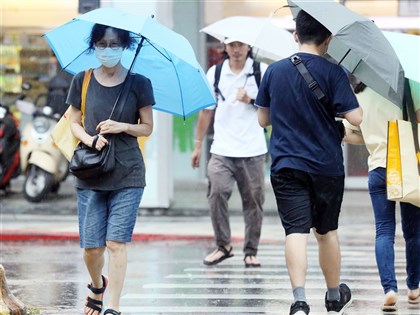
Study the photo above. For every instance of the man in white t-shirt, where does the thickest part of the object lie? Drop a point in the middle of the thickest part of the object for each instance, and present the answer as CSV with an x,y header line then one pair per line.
x,y
237,152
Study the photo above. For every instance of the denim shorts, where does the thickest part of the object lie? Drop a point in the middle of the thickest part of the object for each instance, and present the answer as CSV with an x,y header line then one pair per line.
x,y
107,215
306,201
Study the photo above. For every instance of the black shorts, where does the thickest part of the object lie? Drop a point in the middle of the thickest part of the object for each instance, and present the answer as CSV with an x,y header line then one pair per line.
x,y
306,200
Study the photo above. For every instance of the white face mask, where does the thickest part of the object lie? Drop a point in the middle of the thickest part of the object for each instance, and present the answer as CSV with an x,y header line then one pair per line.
x,y
109,57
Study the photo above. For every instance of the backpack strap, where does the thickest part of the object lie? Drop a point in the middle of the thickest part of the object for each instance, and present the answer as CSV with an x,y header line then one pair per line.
x,y
256,67
217,79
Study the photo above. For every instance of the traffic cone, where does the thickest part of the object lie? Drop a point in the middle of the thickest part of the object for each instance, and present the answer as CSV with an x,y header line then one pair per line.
x,y
9,305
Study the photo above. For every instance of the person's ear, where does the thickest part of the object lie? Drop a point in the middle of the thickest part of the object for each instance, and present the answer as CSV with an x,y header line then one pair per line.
x,y
296,37
328,40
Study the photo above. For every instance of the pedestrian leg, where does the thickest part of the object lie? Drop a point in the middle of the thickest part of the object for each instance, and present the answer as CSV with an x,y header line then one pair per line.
x,y
410,220
94,261
221,184
249,175
117,270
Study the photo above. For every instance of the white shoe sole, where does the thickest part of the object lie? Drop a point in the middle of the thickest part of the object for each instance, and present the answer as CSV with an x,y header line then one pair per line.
x,y
343,310
300,313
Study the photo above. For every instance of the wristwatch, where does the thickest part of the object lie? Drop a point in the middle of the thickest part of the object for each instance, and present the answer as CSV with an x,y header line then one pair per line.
x,y
252,101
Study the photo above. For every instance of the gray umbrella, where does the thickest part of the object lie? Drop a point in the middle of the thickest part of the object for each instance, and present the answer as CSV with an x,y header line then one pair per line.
x,y
359,45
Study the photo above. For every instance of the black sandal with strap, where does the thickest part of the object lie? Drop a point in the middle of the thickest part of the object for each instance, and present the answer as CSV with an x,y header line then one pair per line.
x,y
226,254
112,312
251,265
93,304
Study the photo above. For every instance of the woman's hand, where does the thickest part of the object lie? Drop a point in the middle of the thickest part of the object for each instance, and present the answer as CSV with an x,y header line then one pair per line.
x,y
110,126
101,142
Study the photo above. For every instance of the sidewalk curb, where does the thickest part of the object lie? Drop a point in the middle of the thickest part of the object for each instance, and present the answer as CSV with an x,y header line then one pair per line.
x,y
8,235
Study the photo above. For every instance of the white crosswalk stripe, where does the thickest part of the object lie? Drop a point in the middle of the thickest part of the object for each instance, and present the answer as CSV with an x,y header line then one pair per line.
x,y
229,288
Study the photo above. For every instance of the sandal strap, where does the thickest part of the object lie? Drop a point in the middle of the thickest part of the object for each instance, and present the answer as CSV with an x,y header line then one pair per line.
x,y
98,290
94,304
224,250
112,312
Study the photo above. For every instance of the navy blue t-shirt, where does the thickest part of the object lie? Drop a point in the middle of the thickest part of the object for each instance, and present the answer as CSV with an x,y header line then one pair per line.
x,y
304,134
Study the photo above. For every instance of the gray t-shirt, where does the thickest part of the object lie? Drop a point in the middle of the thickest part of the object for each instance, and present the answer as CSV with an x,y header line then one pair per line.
x,y
129,170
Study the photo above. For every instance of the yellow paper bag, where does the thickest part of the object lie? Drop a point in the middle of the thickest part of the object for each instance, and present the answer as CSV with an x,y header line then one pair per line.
x,y
61,134
403,169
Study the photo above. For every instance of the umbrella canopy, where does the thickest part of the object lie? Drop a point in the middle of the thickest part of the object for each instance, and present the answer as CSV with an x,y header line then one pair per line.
x,y
165,57
268,40
407,48
359,45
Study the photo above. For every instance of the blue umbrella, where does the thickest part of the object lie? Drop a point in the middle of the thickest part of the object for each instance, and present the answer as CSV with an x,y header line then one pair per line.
x,y
179,83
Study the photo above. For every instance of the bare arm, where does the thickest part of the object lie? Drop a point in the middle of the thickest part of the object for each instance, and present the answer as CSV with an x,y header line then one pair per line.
x,y
264,117
80,133
353,137
205,117
143,129
354,117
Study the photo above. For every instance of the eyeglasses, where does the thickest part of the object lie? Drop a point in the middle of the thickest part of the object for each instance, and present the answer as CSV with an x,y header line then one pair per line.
x,y
103,45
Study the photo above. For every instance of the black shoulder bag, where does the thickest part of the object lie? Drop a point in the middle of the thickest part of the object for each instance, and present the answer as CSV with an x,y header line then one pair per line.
x,y
314,87
87,162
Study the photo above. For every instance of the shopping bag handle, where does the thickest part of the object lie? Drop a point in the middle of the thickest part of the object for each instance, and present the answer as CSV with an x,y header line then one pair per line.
x,y
410,115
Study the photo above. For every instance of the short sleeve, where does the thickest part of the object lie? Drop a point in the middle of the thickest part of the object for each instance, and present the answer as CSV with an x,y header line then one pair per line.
x,y
144,90
263,96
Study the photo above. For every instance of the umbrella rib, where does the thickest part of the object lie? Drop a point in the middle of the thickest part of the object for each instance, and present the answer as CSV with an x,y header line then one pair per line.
x,y
344,57
75,58
151,44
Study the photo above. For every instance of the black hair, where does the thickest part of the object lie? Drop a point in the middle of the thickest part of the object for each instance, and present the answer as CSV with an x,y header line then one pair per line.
x,y
309,30
98,32
357,85
226,56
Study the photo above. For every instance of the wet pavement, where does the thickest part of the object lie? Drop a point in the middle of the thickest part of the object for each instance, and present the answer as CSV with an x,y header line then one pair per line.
x,y
168,277
165,272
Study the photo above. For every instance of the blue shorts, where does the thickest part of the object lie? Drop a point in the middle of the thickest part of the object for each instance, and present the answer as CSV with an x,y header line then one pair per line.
x,y
107,215
306,201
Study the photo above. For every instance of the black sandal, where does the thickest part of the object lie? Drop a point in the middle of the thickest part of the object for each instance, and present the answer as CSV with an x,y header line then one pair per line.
x,y
226,254
251,265
112,312
93,304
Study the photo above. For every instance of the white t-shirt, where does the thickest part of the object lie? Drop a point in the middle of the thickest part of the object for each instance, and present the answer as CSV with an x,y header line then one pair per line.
x,y
236,129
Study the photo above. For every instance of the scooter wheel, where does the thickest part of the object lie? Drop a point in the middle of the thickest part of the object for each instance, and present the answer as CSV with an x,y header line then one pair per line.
x,y
37,184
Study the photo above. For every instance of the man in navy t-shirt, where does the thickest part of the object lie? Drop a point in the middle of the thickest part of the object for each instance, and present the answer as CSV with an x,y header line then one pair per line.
x,y
307,172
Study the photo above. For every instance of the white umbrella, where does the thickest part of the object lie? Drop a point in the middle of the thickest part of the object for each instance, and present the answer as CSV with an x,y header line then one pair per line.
x,y
267,39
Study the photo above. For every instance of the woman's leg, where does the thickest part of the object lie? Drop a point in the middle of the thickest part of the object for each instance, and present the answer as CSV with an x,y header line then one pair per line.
x,y
117,269
384,211
410,220
123,206
91,207
94,261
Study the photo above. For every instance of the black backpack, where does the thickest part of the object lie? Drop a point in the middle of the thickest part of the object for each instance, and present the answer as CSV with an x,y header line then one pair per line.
x,y
256,72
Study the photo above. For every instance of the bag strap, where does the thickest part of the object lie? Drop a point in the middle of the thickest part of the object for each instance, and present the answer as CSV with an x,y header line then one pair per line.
x,y
122,96
313,85
256,67
217,73
410,115
85,85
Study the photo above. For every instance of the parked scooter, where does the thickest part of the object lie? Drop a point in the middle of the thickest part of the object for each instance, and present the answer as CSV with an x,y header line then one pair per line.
x,y
41,161
9,147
